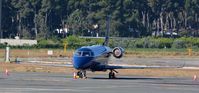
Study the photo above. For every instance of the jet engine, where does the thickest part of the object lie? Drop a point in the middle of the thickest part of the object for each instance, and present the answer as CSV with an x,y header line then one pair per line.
x,y
118,52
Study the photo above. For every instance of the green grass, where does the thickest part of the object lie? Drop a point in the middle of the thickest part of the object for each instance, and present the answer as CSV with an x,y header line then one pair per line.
x,y
153,52
161,50
136,52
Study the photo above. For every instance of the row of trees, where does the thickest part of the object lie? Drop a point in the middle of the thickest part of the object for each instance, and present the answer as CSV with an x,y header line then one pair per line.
x,y
38,19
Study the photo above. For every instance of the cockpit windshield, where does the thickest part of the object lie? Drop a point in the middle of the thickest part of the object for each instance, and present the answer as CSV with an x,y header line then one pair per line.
x,y
84,53
78,53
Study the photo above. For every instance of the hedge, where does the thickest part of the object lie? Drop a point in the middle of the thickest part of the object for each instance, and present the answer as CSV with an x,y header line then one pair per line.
x,y
74,42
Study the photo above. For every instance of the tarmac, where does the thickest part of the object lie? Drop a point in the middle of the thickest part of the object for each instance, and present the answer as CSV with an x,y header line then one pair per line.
x,y
188,62
35,82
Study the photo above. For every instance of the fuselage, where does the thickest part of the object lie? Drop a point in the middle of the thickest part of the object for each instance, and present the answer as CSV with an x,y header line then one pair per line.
x,y
91,57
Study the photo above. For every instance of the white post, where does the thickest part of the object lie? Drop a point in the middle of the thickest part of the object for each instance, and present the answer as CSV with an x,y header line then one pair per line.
x,y
1,18
7,54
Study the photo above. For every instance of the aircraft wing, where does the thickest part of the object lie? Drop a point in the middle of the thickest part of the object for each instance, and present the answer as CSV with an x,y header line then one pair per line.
x,y
53,65
60,65
136,66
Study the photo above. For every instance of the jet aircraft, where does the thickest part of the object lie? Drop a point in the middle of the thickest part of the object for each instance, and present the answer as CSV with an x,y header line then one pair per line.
x,y
95,58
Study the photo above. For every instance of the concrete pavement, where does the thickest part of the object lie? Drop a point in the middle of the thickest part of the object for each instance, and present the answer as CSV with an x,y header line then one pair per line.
x,y
34,82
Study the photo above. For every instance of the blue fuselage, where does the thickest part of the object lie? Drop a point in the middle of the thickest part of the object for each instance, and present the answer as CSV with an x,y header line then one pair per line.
x,y
91,57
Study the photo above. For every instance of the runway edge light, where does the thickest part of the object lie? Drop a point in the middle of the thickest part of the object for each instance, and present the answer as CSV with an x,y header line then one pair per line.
x,y
6,73
75,76
194,77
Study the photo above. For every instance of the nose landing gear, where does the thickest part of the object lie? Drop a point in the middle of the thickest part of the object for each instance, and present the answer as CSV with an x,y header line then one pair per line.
x,y
81,74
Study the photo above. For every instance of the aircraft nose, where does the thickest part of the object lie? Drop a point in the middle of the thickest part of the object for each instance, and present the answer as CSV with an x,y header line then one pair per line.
x,y
81,62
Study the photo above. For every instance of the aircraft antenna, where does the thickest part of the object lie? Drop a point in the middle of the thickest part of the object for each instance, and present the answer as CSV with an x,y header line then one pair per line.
x,y
106,42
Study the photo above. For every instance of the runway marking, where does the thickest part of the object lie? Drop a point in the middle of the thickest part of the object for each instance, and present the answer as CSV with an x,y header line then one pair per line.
x,y
58,90
37,89
196,68
168,85
51,80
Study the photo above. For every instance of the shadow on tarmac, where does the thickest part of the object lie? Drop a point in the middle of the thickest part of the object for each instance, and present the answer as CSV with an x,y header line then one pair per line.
x,y
160,81
2,78
127,78
180,83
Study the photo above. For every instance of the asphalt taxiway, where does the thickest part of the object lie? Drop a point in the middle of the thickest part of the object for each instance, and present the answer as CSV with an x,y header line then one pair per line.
x,y
34,82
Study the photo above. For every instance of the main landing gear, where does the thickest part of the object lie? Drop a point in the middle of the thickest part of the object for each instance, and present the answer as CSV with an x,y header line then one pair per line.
x,y
81,74
112,74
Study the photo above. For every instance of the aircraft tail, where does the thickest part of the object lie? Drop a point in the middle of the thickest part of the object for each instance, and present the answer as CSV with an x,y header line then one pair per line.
x,y
106,41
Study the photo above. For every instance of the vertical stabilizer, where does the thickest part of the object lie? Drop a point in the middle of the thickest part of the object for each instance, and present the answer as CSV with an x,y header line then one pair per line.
x,y
106,42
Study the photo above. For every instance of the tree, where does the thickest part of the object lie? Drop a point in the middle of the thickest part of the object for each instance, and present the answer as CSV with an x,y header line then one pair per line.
x,y
129,18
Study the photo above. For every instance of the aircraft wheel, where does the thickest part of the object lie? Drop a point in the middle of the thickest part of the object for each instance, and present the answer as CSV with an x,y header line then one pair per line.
x,y
111,75
80,74
84,74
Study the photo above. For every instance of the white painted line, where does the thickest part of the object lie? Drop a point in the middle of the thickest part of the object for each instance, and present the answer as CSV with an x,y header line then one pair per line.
x,y
37,89
196,68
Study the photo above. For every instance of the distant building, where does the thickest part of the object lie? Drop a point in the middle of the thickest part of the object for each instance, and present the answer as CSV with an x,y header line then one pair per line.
x,y
18,42
59,31
171,34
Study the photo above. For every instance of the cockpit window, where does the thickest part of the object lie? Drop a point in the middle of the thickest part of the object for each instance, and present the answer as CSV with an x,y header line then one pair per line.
x,y
84,53
79,53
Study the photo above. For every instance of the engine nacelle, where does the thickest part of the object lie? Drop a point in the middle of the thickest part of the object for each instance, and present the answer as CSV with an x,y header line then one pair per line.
x,y
118,52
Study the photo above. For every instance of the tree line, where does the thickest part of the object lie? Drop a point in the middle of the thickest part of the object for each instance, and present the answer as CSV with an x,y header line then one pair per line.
x,y
39,19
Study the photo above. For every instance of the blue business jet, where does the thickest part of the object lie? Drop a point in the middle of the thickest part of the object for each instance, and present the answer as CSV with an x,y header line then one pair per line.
x,y
95,58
